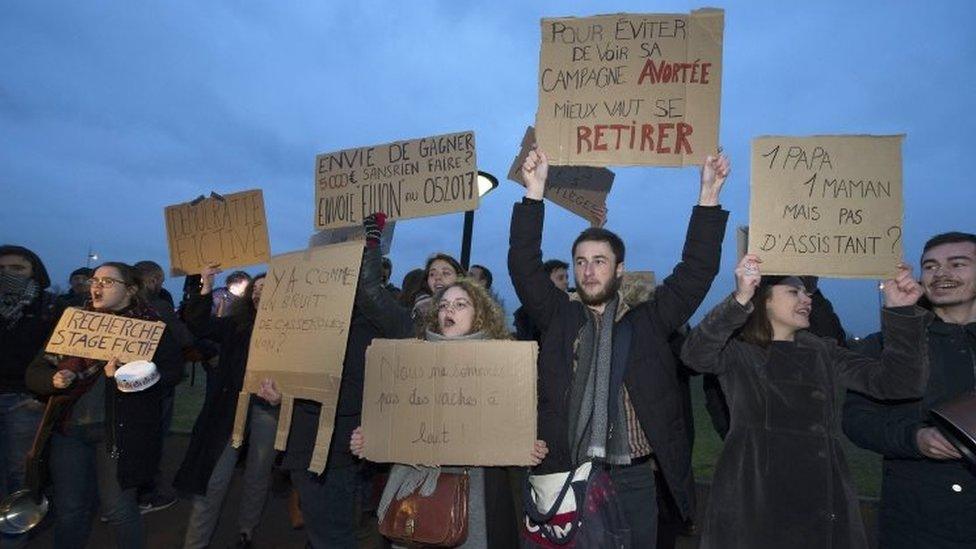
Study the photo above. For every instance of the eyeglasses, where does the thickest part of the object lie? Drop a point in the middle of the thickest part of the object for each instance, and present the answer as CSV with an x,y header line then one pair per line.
x,y
104,282
457,305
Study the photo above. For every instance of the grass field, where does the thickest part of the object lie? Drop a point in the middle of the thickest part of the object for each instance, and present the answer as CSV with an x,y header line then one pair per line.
x,y
865,466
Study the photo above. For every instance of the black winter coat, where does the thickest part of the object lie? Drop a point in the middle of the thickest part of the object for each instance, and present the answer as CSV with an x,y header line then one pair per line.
x,y
132,420
651,376
924,502
20,343
782,480
214,424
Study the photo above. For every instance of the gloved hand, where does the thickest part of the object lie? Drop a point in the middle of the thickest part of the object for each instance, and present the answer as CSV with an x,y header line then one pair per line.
x,y
373,224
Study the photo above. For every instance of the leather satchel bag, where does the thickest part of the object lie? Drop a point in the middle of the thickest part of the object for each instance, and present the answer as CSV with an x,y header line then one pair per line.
x,y
437,520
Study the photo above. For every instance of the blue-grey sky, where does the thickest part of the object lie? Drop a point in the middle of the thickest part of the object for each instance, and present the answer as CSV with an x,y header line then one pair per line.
x,y
110,111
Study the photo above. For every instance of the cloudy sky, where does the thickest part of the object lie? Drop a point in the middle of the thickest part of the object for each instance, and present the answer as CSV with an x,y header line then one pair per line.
x,y
110,111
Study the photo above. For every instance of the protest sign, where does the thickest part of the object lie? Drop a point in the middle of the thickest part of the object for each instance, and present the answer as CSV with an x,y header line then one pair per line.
x,y
326,237
637,287
299,337
450,403
231,231
741,242
414,178
582,190
630,89
827,205
102,336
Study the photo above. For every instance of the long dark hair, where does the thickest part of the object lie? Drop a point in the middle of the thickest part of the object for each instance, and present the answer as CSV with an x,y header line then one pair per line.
x,y
458,270
242,310
132,279
757,329
413,283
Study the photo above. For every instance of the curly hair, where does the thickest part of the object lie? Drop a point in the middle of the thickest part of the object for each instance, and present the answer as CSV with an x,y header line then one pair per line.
x,y
488,315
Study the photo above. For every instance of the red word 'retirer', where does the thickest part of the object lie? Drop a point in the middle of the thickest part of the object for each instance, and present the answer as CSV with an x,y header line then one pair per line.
x,y
661,138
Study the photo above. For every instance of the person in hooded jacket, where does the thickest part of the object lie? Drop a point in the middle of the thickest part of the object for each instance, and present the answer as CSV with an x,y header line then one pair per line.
x,y
27,315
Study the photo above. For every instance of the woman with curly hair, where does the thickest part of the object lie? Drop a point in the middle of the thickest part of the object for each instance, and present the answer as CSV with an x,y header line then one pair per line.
x,y
463,310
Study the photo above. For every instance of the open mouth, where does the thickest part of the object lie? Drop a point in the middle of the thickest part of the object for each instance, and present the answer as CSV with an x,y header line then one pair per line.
x,y
448,322
946,285
805,312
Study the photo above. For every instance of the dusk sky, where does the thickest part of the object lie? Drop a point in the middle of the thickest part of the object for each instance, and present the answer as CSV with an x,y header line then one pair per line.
x,y
110,111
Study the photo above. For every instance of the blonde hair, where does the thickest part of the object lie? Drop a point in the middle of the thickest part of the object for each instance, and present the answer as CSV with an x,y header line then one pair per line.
x,y
488,315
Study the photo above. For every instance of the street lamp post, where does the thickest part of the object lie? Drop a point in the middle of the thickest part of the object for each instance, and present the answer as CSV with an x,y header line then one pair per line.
x,y
486,184
92,256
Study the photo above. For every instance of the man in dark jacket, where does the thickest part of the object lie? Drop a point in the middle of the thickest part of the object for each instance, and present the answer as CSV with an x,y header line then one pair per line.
x,y
151,497
27,316
77,292
329,501
608,389
928,494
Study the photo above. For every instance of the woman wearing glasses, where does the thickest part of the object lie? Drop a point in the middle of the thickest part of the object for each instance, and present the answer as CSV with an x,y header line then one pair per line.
x,y
463,310
105,441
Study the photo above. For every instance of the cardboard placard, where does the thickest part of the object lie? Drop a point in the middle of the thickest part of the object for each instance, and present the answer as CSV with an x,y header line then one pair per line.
x,y
450,403
102,336
827,205
413,178
326,237
232,232
299,337
637,287
741,242
582,190
630,89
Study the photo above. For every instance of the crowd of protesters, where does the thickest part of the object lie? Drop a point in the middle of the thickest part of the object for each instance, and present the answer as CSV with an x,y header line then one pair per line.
x,y
614,430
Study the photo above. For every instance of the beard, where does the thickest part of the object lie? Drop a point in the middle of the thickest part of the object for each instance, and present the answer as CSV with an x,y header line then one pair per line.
x,y
600,297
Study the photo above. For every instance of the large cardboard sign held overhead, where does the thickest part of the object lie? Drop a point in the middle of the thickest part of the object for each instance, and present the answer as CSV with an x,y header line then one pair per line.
x,y
102,336
630,89
827,205
413,178
450,403
582,190
231,231
299,337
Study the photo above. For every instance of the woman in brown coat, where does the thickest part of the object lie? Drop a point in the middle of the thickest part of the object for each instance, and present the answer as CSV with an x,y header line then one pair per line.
x,y
782,480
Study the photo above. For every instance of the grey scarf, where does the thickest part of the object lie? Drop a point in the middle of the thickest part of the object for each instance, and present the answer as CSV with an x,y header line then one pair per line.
x,y
406,479
16,293
592,433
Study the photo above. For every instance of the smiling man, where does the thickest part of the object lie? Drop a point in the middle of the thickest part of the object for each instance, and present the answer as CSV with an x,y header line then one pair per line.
x,y
608,389
929,494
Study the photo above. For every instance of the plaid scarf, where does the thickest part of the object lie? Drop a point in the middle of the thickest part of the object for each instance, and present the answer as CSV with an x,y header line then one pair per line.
x,y
16,293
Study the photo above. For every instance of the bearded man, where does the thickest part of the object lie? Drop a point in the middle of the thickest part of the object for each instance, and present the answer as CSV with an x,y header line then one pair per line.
x,y
608,387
